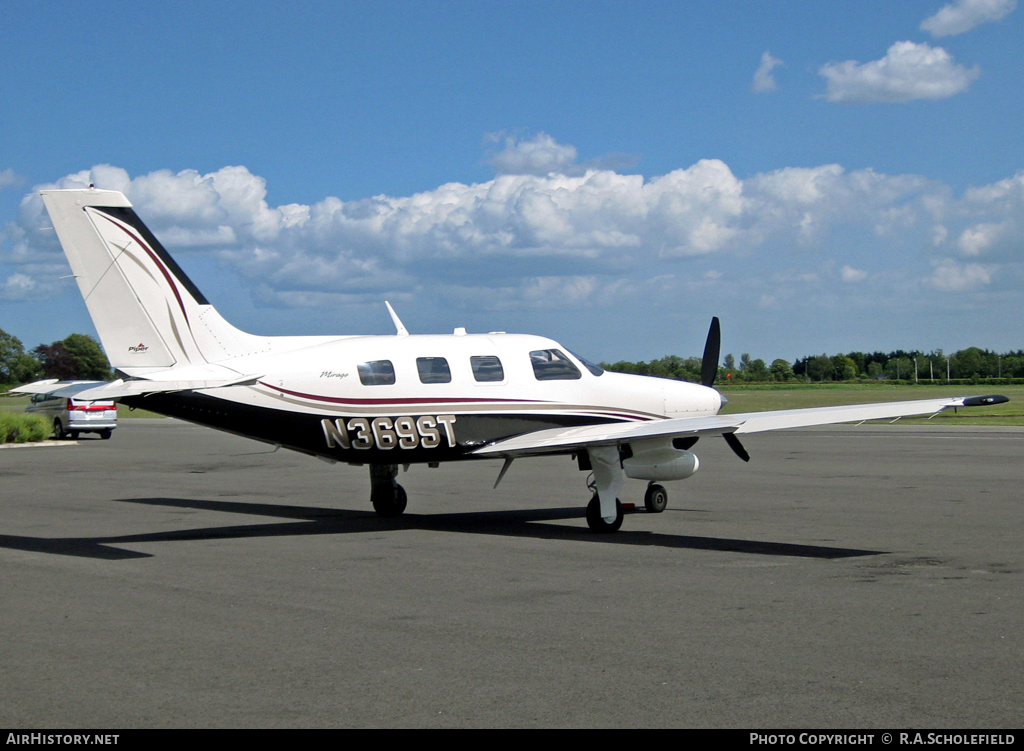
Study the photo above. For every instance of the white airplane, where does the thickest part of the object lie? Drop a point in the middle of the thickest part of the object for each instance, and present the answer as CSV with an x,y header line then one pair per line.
x,y
388,401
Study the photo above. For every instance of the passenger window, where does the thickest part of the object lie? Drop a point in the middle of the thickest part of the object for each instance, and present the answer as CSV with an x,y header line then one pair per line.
x,y
433,370
376,373
553,365
487,368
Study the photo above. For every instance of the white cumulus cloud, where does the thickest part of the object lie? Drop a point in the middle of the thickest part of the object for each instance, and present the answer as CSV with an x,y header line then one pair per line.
x,y
951,276
908,71
764,81
540,155
963,15
851,274
976,240
538,241
17,287
8,177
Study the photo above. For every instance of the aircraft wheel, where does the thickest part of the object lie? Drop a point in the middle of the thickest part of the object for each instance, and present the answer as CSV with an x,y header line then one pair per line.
x,y
389,501
656,498
58,430
597,522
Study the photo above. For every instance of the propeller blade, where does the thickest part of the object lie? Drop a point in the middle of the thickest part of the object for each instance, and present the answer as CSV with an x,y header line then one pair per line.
x,y
709,364
736,446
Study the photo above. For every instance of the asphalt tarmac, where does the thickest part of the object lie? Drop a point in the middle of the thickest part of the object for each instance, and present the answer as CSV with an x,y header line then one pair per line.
x,y
851,577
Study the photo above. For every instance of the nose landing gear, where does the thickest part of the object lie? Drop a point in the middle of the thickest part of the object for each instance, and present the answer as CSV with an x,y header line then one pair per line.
x,y
656,498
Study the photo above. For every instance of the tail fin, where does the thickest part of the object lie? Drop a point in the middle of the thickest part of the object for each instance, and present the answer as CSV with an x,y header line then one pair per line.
x,y
147,312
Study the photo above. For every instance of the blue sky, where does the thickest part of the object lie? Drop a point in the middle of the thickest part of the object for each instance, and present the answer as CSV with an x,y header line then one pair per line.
x,y
608,174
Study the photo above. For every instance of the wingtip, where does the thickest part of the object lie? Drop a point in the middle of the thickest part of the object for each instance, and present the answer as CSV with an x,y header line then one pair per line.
x,y
983,401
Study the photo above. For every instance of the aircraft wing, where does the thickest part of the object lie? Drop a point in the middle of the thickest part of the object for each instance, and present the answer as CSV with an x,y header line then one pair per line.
x,y
95,390
561,440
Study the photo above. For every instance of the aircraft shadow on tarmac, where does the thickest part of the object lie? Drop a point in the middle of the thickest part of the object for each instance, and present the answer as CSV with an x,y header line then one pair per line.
x,y
326,521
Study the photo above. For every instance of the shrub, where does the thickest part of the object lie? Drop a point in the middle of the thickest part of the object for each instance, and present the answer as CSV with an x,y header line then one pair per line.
x,y
20,428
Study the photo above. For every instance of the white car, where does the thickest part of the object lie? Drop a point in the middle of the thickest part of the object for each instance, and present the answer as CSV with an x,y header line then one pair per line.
x,y
73,416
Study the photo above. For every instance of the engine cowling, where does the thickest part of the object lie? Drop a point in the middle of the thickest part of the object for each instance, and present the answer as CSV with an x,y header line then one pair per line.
x,y
659,461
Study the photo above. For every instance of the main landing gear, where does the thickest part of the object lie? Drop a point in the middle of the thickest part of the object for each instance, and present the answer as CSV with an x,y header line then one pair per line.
x,y
386,495
598,523
604,512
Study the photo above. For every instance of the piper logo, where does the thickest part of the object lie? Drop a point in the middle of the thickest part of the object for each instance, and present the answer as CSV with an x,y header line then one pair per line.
x,y
138,348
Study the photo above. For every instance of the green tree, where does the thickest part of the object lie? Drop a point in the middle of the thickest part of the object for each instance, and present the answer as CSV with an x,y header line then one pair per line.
x,y
967,362
901,368
16,366
1013,366
820,368
781,370
844,368
756,370
934,366
77,357
93,364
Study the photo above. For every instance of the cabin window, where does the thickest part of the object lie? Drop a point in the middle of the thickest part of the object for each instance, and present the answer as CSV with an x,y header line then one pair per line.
x,y
376,373
487,368
553,365
433,370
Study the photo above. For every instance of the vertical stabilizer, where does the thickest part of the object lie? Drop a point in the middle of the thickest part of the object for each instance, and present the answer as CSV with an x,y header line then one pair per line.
x,y
147,312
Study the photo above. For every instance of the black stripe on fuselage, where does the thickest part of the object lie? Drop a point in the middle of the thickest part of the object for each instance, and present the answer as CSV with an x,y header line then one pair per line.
x,y
304,432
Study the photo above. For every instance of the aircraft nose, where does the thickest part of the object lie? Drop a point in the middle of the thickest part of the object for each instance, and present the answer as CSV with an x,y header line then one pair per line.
x,y
690,399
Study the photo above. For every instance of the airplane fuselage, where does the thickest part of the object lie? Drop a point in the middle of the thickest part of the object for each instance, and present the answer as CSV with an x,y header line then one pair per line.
x,y
411,399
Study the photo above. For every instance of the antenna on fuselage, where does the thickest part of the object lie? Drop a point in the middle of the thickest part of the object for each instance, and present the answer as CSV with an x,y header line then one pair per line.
x,y
399,326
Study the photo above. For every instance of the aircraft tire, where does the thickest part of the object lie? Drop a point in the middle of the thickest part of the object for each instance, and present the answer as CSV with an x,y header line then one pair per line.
x,y
389,501
597,523
656,498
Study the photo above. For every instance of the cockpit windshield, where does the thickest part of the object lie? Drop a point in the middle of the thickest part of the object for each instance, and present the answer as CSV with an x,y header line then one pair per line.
x,y
553,365
595,369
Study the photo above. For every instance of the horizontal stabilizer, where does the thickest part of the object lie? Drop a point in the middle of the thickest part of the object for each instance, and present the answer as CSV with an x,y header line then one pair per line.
x,y
96,390
53,385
